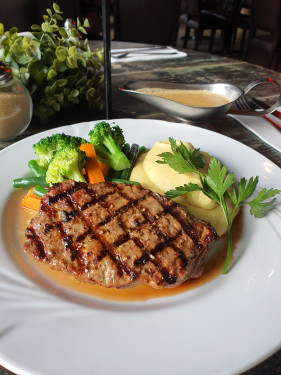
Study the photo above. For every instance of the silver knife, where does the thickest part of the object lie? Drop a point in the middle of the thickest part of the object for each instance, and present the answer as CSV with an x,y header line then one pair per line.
x,y
140,49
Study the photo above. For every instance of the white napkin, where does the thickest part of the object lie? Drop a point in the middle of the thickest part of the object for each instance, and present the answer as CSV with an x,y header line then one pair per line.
x,y
157,54
262,128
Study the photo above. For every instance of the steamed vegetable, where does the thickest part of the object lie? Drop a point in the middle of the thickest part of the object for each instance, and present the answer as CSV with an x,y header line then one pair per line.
x,y
134,152
30,203
35,169
39,191
62,157
93,169
108,142
29,181
67,163
47,147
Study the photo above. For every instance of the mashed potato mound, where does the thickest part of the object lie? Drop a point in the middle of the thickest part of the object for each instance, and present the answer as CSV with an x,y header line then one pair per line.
x,y
161,178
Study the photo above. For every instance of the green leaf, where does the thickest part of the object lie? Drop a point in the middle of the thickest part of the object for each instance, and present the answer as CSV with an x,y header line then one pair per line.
x,y
51,74
61,82
181,159
81,82
175,161
71,62
55,28
245,190
217,178
71,80
78,23
180,190
56,8
37,34
34,67
82,30
48,57
58,17
72,51
1,29
90,94
36,27
44,26
207,190
47,18
50,13
12,33
73,99
74,93
63,32
61,53
86,23
59,66
193,157
59,98
261,204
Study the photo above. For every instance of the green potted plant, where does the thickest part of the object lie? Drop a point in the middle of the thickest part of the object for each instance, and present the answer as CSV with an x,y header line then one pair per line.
x,y
56,65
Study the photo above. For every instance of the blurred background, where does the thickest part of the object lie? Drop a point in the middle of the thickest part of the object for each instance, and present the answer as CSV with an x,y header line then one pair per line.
x,y
248,30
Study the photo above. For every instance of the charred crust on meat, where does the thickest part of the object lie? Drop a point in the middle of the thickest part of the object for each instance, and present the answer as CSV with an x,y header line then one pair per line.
x,y
118,235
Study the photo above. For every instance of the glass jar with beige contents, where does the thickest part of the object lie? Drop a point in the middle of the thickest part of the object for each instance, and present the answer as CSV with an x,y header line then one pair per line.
x,y
15,105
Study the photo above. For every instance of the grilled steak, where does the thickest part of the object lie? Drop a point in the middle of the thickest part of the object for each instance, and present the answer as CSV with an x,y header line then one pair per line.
x,y
118,235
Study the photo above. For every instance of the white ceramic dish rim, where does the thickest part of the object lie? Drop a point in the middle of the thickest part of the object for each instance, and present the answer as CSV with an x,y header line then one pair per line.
x,y
223,327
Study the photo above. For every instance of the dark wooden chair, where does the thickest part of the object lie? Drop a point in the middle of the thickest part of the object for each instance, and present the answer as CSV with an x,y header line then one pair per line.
x,y
199,18
243,21
227,16
265,29
146,21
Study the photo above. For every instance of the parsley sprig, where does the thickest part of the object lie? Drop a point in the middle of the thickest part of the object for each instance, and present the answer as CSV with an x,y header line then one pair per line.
x,y
219,185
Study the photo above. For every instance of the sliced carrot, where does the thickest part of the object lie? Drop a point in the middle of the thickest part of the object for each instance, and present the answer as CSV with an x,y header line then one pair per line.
x,y
31,194
92,166
105,168
30,203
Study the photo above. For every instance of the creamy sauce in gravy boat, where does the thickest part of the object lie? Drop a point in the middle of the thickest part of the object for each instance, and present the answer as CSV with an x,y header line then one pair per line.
x,y
168,97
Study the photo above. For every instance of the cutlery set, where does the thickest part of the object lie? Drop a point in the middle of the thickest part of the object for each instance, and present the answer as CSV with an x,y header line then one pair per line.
x,y
157,50
256,105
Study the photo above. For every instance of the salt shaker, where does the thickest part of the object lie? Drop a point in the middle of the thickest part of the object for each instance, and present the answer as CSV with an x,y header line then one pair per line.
x,y
15,105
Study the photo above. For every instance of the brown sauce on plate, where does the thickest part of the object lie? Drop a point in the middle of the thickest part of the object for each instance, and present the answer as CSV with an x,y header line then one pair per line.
x,y
16,222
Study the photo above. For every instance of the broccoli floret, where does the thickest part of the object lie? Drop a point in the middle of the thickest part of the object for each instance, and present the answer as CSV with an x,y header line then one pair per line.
x,y
67,163
108,142
118,136
46,147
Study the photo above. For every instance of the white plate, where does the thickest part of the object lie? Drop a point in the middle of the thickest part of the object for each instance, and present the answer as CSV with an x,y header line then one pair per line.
x,y
222,327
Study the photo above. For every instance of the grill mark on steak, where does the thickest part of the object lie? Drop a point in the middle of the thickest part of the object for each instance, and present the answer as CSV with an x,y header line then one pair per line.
x,y
77,210
68,242
65,192
31,234
146,257
95,199
188,229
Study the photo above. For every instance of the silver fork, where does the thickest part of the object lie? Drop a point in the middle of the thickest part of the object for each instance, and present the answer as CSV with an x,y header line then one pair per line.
x,y
245,107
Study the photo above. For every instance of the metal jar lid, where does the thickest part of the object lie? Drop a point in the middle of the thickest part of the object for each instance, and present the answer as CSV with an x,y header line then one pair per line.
x,y
5,73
